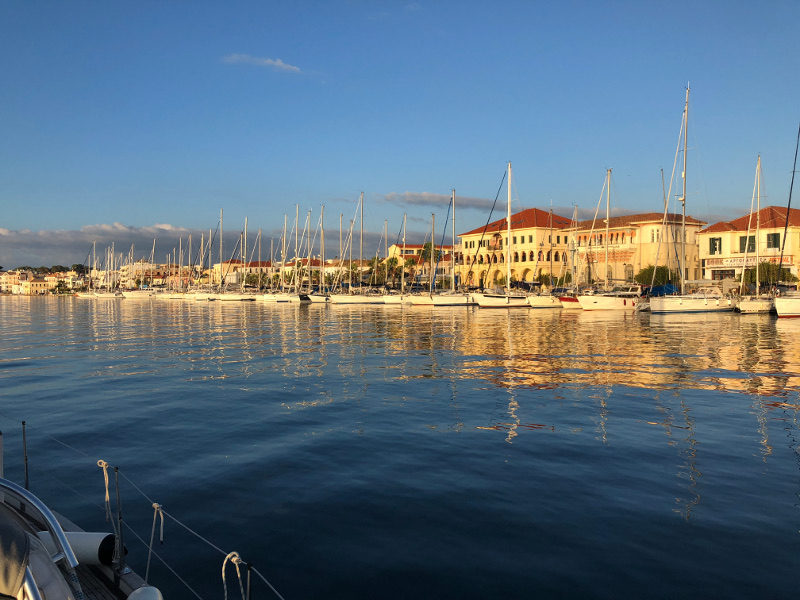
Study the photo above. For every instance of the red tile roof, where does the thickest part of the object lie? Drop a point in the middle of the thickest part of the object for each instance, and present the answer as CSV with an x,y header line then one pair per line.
x,y
531,217
771,217
629,220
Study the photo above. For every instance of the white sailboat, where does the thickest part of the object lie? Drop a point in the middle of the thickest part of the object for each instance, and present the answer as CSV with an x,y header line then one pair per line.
x,y
402,297
506,298
705,299
758,303
450,297
625,297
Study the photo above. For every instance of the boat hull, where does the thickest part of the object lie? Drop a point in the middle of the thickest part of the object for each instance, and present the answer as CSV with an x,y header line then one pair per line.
x,y
788,307
755,305
355,299
601,302
500,301
544,302
684,304
442,300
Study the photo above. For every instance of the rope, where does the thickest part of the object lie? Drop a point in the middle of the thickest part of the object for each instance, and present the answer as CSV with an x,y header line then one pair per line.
x,y
157,510
109,518
235,561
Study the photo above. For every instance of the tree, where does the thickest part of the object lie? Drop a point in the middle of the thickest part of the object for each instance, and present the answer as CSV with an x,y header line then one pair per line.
x,y
425,255
411,266
391,268
79,269
768,273
663,276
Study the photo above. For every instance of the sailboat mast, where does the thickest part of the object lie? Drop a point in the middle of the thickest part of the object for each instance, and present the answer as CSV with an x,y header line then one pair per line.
x,y
508,232
608,216
683,198
283,251
361,240
221,272
403,258
386,252
758,220
453,246
433,250
322,250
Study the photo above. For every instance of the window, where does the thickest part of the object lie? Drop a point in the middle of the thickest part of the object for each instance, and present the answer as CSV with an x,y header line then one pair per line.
x,y
748,241
558,239
773,240
715,245
628,272
530,239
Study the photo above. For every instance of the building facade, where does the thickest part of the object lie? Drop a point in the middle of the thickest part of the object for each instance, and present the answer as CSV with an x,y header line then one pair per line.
x,y
728,247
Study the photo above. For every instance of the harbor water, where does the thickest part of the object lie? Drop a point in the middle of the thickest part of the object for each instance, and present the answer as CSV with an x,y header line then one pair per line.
x,y
417,452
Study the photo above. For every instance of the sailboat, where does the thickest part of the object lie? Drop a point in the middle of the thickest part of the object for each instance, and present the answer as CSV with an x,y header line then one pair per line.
x,y
705,299
626,297
359,297
758,303
450,297
402,297
789,306
506,298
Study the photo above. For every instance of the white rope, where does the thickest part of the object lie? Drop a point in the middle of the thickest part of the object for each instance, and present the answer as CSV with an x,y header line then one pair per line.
x,y
156,512
104,465
235,561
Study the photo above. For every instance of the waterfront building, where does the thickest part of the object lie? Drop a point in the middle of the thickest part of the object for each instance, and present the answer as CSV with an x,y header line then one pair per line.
x,y
539,245
634,242
727,247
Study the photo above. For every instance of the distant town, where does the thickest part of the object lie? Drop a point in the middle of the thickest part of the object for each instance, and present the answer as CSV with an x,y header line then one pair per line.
x,y
545,249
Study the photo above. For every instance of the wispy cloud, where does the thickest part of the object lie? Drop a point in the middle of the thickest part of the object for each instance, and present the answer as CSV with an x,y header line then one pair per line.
x,y
435,200
273,63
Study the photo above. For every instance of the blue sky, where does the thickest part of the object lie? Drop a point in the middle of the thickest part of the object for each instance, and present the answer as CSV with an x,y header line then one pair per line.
x,y
124,121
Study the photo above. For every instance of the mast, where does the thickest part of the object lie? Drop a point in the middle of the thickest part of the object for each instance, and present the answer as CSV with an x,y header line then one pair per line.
x,y
453,249
386,252
508,233
683,198
221,272
433,250
608,217
322,250
403,258
361,240
283,251
758,220
341,258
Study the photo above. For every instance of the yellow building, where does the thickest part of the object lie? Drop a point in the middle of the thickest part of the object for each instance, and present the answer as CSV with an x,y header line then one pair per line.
x,y
539,243
633,243
549,244
725,248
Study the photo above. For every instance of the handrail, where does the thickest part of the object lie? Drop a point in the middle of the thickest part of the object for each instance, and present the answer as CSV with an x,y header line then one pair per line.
x,y
47,516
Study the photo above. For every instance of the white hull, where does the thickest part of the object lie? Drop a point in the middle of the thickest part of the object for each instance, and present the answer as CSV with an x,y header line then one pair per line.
x,y
692,303
601,302
788,307
274,297
138,294
544,301
500,301
755,305
442,300
570,303
397,299
317,298
356,299
232,297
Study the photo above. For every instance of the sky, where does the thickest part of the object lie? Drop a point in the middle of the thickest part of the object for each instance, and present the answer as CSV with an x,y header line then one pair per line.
x,y
125,122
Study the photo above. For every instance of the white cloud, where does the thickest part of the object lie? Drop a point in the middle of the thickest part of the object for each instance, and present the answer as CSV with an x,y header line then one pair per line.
x,y
273,63
435,200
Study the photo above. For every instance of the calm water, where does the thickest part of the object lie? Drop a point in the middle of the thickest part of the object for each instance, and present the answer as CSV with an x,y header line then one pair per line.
x,y
386,452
